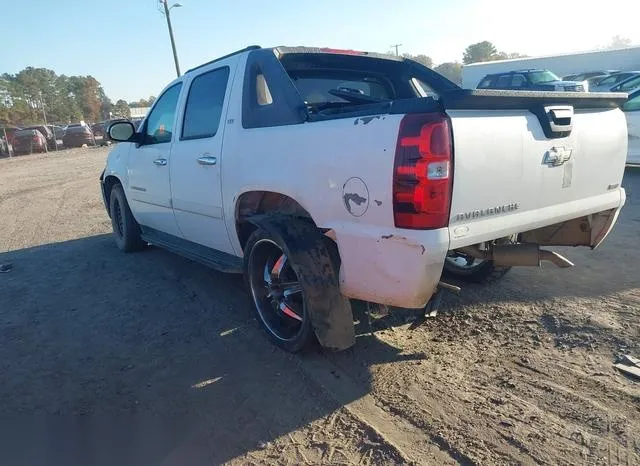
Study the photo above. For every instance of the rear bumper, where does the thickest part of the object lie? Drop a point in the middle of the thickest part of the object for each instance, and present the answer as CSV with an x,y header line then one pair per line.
x,y
28,147
489,228
72,142
403,267
391,266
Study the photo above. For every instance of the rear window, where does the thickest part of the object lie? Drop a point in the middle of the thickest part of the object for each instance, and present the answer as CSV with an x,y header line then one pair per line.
x,y
77,129
25,132
317,87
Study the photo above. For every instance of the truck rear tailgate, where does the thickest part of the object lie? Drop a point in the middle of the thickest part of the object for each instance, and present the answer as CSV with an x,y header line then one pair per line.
x,y
516,169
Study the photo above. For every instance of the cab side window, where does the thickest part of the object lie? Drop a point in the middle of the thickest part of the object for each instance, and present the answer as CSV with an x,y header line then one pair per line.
x,y
159,126
485,83
519,81
503,81
204,104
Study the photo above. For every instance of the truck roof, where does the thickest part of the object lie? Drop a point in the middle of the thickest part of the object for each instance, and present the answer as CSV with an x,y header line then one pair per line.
x,y
283,50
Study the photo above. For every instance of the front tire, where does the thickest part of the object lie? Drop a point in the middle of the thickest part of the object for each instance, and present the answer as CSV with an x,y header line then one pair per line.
x,y
126,230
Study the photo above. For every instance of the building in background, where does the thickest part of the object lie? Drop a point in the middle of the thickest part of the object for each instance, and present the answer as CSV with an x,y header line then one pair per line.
x,y
626,59
138,112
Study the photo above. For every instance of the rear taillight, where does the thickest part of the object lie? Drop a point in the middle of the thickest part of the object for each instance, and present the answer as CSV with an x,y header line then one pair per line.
x,y
422,177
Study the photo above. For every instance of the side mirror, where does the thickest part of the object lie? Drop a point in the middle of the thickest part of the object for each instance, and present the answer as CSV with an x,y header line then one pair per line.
x,y
122,131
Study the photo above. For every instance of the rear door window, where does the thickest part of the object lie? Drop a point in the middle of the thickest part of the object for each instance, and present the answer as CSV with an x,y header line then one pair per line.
x,y
503,81
519,81
204,104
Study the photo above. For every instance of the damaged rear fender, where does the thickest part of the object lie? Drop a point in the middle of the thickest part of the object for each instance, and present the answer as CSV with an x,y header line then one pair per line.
x,y
312,260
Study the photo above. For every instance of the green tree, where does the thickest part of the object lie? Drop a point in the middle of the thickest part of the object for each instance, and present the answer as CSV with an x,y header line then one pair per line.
x,y
507,56
451,71
121,109
618,42
143,102
107,107
481,51
420,58
139,103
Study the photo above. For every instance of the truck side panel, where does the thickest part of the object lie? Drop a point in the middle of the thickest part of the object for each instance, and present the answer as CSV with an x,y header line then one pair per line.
x,y
340,171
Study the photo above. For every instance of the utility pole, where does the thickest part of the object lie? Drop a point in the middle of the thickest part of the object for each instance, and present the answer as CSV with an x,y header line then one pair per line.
x,y
173,42
395,46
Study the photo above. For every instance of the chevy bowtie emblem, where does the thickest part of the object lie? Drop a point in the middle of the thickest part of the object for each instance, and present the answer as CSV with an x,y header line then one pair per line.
x,y
556,156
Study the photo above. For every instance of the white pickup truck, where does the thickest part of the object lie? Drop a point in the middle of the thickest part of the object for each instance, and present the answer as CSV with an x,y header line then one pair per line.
x,y
325,174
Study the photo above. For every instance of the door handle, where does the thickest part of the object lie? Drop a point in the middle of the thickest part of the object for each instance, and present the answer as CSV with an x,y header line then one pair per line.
x,y
160,162
207,160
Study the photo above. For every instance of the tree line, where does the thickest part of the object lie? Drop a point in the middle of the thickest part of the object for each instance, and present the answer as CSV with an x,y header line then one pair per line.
x,y
34,94
478,52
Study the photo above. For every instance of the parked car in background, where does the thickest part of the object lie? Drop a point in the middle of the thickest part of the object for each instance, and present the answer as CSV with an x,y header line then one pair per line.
x,y
106,139
588,75
137,122
605,84
530,80
58,131
631,109
28,141
99,129
628,85
47,133
8,132
78,135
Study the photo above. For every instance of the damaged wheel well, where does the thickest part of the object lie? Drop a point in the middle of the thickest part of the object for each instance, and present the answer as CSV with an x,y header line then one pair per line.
x,y
109,182
254,203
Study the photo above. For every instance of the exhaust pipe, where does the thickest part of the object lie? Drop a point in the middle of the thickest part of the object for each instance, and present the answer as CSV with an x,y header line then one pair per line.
x,y
517,255
556,258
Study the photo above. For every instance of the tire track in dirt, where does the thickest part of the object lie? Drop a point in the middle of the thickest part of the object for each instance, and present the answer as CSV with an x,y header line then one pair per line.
x,y
414,443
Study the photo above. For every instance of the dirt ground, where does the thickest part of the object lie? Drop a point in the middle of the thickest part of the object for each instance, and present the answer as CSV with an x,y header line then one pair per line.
x,y
148,358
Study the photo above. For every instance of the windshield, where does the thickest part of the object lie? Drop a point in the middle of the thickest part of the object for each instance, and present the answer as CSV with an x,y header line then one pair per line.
x,y
538,77
630,84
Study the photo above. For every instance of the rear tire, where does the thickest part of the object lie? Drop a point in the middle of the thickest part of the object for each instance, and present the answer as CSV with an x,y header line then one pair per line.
x,y
126,230
279,298
475,270
479,272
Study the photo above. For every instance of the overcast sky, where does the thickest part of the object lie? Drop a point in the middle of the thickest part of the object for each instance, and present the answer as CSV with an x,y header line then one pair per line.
x,y
125,45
